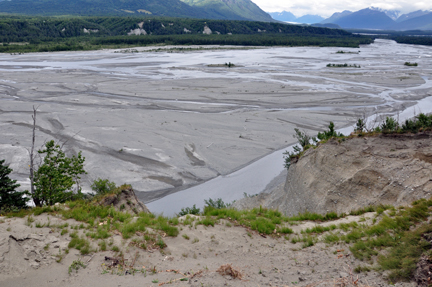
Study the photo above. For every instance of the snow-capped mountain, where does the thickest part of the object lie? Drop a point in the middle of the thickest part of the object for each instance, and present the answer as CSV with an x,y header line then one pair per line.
x,y
393,14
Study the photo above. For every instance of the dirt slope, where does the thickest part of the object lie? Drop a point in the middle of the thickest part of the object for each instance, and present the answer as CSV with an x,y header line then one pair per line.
x,y
28,257
346,175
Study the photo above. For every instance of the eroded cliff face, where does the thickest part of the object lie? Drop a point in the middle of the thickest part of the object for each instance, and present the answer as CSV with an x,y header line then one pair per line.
x,y
347,175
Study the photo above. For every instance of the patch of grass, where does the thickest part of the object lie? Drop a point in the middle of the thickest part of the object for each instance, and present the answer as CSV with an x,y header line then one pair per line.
x,y
115,248
196,240
306,239
308,216
185,236
45,209
81,244
30,220
361,268
347,226
263,225
161,243
207,221
317,229
148,220
361,211
101,233
395,234
76,265
331,238
402,258
353,236
102,245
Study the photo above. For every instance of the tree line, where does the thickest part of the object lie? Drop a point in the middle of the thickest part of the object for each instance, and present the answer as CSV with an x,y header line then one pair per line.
x,y
40,34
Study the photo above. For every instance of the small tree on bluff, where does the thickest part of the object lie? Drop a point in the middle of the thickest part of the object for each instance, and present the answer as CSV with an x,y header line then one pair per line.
x,y
55,178
9,198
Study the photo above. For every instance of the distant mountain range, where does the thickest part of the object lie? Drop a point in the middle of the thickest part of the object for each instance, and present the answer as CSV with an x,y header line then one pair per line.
x,y
374,18
289,17
205,9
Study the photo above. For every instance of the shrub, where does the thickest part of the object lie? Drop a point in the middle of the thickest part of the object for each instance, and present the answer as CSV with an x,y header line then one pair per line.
x,y
420,122
103,186
215,204
360,126
325,135
389,125
189,210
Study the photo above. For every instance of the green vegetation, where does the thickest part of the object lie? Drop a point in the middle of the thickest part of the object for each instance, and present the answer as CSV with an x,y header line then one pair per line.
x,y
410,64
215,204
56,176
76,265
189,210
413,40
103,186
265,221
128,8
307,142
10,199
346,52
343,66
43,34
80,243
419,123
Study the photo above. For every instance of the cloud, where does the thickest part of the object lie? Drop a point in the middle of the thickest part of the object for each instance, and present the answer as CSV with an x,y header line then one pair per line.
x,y
327,7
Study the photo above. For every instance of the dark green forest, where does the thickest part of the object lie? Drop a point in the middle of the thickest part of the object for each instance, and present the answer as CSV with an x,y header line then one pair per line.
x,y
414,37
413,40
32,34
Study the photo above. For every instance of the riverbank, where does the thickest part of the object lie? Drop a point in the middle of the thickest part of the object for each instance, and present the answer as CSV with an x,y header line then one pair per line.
x,y
165,121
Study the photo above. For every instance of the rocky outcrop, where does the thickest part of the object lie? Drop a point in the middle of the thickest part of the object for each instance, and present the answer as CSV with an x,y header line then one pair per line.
x,y
125,201
341,176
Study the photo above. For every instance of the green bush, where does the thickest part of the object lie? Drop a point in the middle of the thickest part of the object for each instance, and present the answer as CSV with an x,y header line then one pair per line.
x,y
103,186
57,175
189,210
389,125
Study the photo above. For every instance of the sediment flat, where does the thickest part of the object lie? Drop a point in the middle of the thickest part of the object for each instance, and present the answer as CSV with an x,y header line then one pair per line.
x,y
163,121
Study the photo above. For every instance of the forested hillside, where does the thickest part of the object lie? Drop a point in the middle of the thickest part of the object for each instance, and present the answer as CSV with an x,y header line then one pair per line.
x,y
204,9
232,9
173,8
77,33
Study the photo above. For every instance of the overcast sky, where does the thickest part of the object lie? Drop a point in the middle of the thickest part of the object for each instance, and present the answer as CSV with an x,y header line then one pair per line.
x,y
326,8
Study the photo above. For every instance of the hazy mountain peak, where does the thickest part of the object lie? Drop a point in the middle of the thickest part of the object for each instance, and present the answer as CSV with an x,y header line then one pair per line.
x,y
283,16
309,19
336,16
393,14
413,14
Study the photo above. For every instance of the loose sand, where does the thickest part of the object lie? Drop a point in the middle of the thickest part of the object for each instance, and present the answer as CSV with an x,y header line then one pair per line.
x,y
28,258
164,121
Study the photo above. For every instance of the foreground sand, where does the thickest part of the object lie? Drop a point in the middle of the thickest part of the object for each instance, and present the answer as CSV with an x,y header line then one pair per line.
x,y
28,258
164,121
